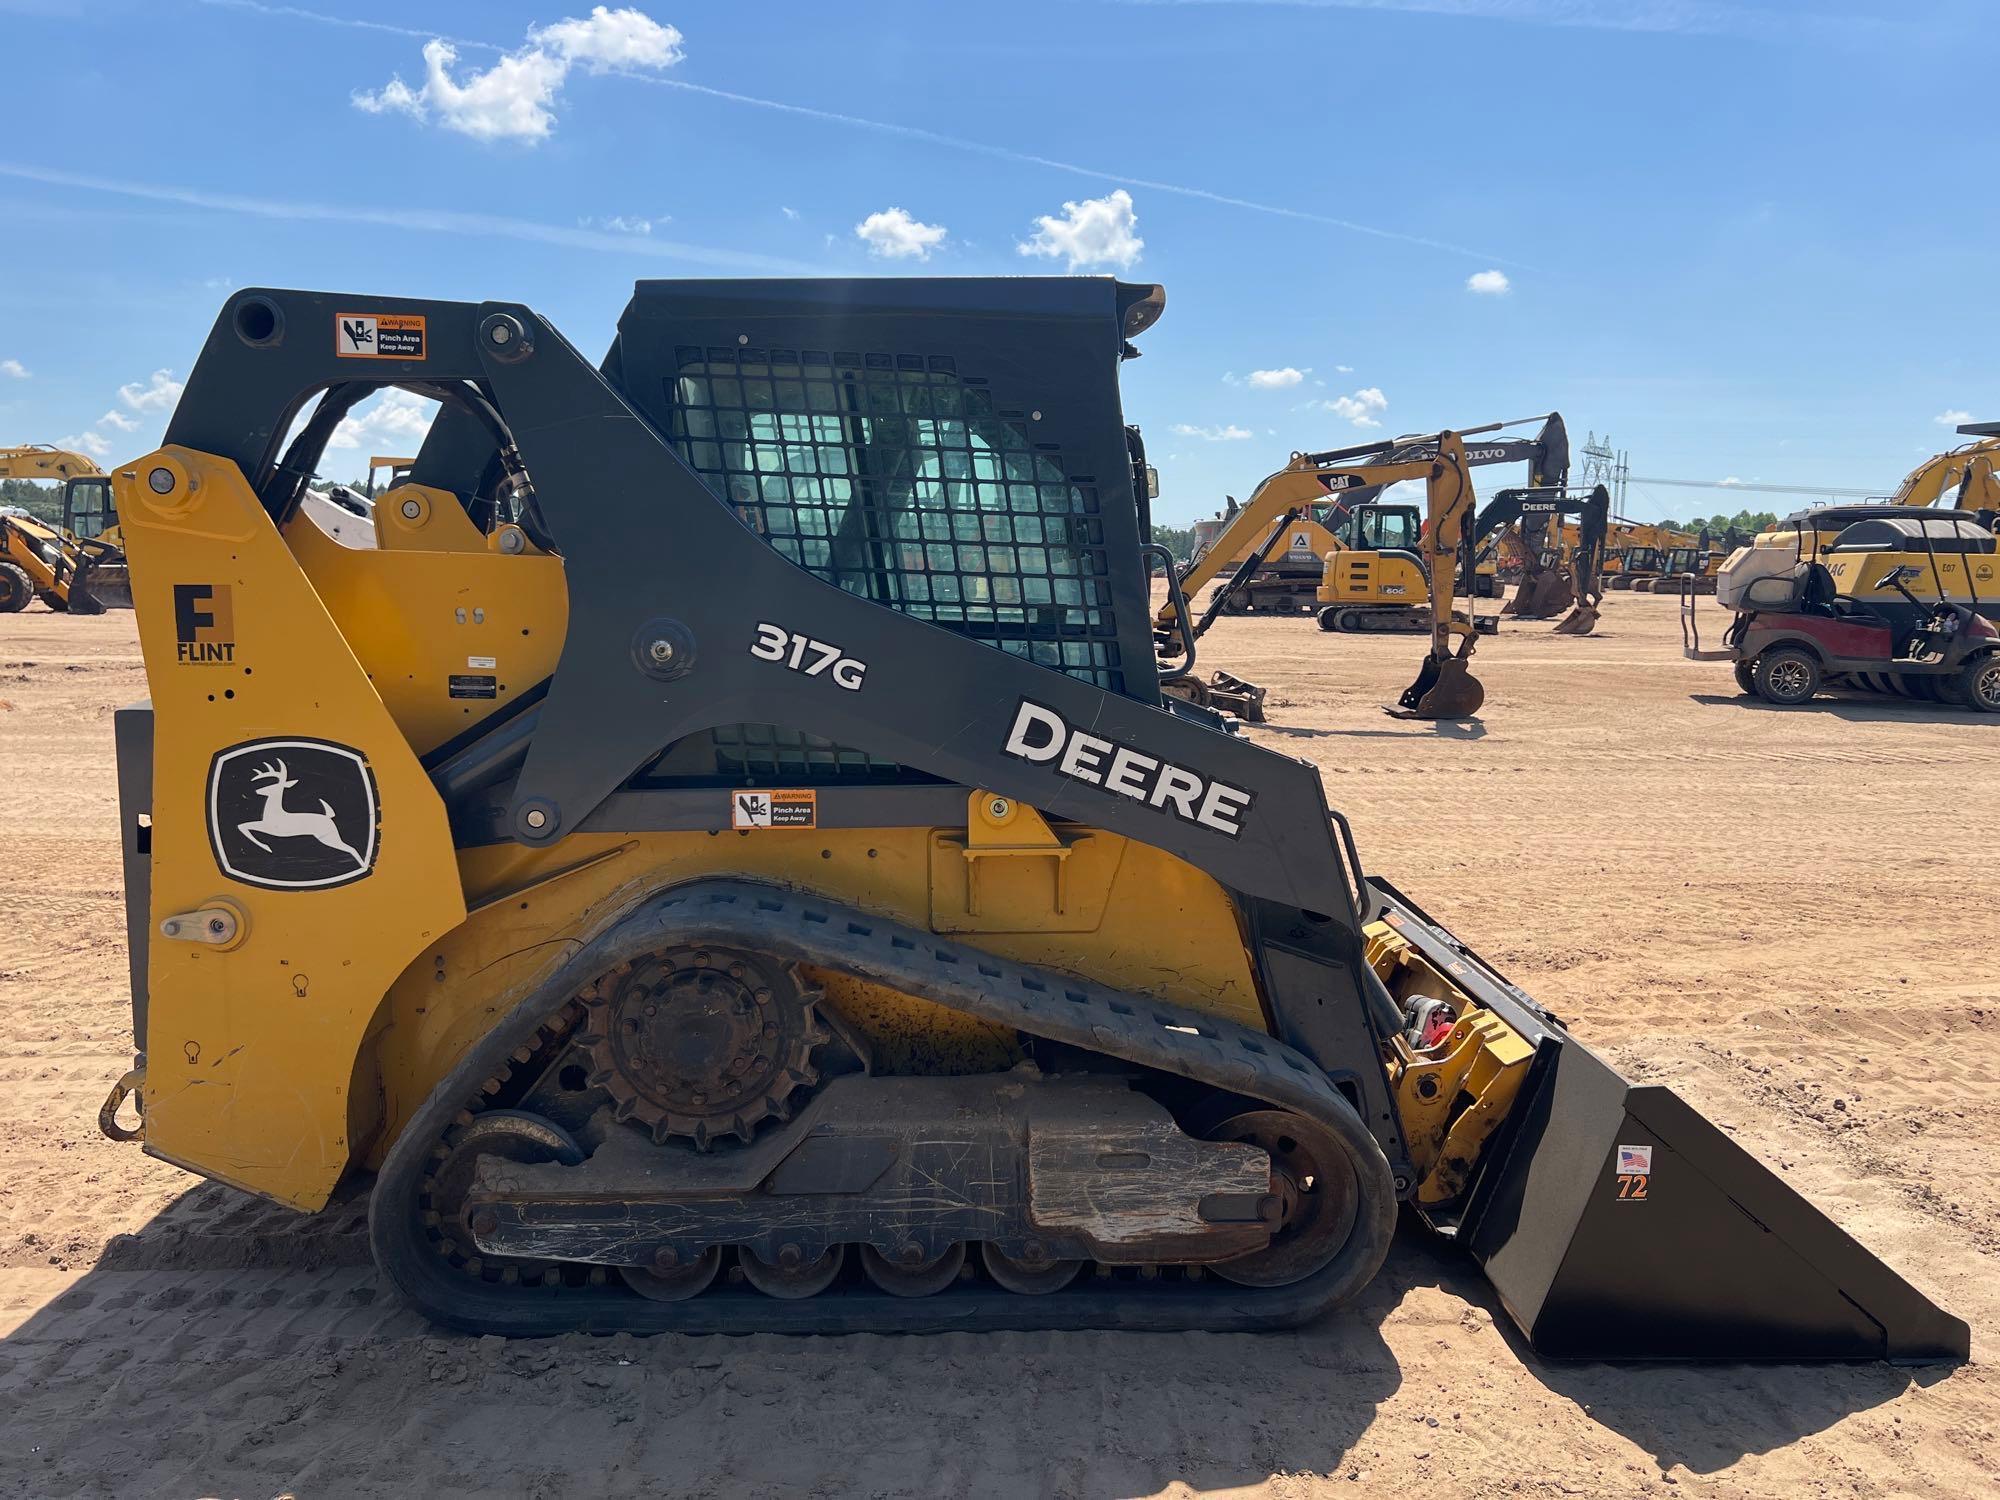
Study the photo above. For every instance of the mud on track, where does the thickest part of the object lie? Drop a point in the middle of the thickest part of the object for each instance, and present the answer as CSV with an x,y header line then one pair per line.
x,y
1786,915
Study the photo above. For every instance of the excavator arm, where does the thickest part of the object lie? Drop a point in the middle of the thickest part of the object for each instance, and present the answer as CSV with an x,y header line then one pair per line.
x,y
40,461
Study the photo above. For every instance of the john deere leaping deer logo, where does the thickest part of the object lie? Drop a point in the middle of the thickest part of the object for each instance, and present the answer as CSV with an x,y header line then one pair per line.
x,y
293,814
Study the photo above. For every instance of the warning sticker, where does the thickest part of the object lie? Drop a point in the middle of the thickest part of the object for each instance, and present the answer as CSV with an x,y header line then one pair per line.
x,y
790,809
482,663
473,685
378,335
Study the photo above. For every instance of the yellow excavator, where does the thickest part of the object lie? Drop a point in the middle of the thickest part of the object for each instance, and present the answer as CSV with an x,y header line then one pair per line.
x,y
729,867
1271,551
77,565
1390,570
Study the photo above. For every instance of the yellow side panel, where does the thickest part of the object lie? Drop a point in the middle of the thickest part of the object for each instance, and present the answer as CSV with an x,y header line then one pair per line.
x,y
1371,578
1166,929
251,1048
426,625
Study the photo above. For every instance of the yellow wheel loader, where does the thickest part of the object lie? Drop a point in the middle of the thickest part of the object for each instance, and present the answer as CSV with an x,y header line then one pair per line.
x,y
725,864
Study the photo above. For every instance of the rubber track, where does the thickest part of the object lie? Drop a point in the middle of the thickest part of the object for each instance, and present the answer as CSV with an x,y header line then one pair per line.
x,y
1057,1007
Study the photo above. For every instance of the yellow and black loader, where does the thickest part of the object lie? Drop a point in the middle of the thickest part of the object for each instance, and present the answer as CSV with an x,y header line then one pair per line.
x,y
724,862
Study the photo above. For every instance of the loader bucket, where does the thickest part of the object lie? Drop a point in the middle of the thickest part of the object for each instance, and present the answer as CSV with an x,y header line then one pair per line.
x,y
100,587
1445,689
1579,621
1617,1223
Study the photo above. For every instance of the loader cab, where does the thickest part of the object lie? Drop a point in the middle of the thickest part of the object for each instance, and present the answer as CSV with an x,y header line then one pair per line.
x,y
953,450
88,509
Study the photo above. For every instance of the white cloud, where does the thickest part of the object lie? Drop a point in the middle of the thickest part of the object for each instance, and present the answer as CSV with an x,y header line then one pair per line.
x,y
159,392
1731,482
624,223
515,99
1362,408
1094,232
1277,380
894,235
1949,417
1489,283
395,419
13,369
790,213
1226,434
92,443
1343,369
118,419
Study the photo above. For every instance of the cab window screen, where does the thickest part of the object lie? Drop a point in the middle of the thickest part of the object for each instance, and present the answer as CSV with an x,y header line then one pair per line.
x,y
895,478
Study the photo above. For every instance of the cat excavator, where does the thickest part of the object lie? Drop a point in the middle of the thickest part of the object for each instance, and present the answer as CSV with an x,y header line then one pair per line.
x,y
77,565
727,865
1270,552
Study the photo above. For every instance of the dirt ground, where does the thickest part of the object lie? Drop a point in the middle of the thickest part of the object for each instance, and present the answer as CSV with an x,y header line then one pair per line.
x,y
1784,914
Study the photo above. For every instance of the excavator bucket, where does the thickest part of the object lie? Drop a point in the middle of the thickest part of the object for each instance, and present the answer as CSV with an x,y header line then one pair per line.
x,y
1579,623
1617,1223
1547,593
1445,689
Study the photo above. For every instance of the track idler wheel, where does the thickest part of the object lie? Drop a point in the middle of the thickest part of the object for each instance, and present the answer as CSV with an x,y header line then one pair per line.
x,y
910,1275
1445,689
1317,1191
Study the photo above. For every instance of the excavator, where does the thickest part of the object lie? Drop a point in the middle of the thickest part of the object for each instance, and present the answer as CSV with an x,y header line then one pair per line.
x,y
1640,557
1394,572
77,566
727,865
1271,550
1555,576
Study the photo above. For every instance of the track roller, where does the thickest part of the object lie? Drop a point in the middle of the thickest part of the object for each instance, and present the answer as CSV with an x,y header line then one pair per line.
x,y
910,1275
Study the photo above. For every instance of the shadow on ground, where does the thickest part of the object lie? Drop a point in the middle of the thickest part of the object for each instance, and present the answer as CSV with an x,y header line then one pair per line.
x,y
230,1347
1857,709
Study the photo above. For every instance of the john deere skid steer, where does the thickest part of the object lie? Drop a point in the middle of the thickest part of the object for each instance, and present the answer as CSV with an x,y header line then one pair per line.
x,y
724,862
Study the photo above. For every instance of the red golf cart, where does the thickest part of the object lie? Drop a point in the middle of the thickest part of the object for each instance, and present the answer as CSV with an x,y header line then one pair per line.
x,y
1794,635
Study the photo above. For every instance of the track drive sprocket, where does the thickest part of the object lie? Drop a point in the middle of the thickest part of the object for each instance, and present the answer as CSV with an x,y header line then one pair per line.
x,y
702,1043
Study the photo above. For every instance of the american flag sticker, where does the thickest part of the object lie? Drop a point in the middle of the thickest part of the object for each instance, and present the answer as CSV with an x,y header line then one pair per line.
x,y
1635,1161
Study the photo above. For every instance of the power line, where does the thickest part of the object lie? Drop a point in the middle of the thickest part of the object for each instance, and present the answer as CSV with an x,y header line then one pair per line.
x,y
1766,489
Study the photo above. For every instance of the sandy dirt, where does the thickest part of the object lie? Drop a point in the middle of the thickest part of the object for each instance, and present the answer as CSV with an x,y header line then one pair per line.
x,y
1785,914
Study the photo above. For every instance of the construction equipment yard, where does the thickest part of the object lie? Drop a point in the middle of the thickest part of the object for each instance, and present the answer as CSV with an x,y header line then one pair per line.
x,y
1780,913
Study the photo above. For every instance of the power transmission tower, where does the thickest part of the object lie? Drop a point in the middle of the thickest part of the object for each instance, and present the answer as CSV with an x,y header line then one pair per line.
x,y
1602,465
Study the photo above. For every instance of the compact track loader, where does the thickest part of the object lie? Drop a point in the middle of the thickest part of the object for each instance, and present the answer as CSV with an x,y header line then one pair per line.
x,y
724,863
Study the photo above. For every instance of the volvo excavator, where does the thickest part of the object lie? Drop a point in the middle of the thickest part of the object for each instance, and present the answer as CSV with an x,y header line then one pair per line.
x,y
725,864
77,565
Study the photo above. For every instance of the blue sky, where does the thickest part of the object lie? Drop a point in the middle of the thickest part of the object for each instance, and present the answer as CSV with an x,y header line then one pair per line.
x,y
1744,240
